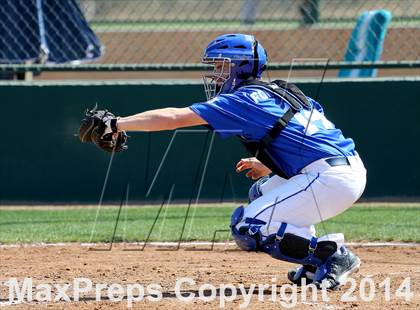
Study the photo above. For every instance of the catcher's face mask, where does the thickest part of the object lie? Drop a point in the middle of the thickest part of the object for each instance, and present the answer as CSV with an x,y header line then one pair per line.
x,y
218,81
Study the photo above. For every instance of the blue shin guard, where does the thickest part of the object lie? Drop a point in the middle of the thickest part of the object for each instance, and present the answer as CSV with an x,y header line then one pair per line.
x,y
282,245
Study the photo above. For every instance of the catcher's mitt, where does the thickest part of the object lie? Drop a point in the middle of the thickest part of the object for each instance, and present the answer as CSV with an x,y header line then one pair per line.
x,y
98,127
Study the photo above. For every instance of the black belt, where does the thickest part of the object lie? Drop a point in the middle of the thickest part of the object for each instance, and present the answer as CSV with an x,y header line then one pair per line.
x,y
338,161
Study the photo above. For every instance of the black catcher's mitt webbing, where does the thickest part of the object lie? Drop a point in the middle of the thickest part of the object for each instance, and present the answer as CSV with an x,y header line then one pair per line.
x,y
92,129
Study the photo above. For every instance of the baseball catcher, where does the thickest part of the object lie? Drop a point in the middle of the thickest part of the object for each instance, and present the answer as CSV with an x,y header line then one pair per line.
x,y
306,171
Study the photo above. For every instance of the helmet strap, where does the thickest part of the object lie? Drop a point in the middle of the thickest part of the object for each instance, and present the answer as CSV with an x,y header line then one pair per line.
x,y
256,60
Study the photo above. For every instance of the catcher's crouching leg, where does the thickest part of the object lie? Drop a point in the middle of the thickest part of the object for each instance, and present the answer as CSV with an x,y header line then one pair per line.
x,y
288,244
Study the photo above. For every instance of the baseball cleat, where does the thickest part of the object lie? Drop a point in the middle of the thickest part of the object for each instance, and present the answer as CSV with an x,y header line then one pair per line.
x,y
296,275
339,267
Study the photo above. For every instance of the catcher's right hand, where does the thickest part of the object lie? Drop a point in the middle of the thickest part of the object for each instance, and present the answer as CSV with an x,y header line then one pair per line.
x,y
99,127
256,168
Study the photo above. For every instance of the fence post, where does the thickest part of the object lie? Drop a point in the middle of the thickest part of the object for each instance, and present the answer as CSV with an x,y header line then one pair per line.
x,y
309,10
249,12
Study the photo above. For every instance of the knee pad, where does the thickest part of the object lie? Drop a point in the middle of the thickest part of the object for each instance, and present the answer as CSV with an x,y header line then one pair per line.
x,y
287,246
247,237
255,190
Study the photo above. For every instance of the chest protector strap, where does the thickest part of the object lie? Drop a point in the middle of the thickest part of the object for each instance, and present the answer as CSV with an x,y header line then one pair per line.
x,y
296,100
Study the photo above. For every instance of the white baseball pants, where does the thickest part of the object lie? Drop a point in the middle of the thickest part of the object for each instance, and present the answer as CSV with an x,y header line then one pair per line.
x,y
320,192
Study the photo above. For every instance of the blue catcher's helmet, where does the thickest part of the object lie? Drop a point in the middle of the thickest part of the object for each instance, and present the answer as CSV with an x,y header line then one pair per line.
x,y
236,58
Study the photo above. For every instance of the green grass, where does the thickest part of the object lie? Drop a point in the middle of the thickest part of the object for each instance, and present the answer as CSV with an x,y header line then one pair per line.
x,y
362,222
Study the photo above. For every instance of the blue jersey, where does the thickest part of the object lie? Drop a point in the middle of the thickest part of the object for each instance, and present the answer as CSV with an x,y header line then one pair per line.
x,y
251,112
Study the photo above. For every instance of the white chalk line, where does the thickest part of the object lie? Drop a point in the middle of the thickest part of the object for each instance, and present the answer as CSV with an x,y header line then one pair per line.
x,y
188,244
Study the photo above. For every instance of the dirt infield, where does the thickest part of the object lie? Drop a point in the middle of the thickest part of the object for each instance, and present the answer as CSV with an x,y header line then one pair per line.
x,y
282,45
61,264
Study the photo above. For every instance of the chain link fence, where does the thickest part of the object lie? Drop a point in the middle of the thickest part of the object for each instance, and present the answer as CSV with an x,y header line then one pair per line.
x,y
176,31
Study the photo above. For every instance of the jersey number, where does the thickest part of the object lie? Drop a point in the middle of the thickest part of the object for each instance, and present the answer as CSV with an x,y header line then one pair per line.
x,y
259,95
318,121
